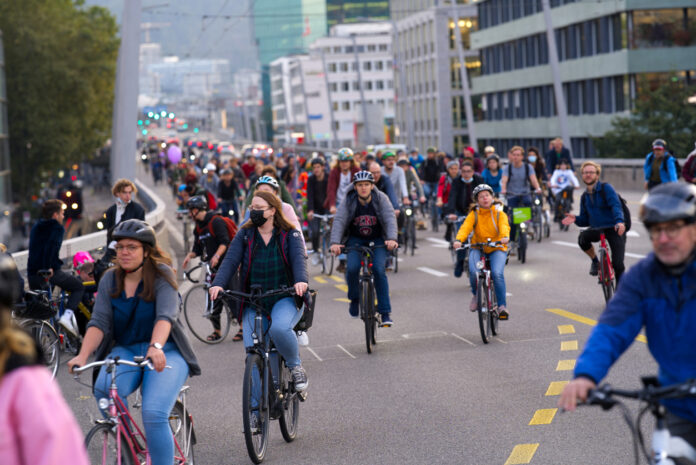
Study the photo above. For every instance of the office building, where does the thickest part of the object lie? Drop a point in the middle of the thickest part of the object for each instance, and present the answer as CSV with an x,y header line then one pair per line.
x,y
356,11
191,78
610,54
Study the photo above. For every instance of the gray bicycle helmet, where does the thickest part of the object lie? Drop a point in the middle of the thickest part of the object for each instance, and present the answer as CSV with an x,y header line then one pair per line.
x,y
480,188
361,176
135,229
669,202
270,181
199,202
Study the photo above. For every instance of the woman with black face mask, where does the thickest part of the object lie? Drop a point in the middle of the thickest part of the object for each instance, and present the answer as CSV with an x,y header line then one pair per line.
x,y
271,253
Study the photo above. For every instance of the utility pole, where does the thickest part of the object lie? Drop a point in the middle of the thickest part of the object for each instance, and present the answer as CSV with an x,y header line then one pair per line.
x,y
123,133
309,140
556,73
464,77
334,142
368,136
402,97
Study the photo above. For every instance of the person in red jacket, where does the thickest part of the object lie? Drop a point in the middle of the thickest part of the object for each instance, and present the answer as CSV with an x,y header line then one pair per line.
x,y
340,179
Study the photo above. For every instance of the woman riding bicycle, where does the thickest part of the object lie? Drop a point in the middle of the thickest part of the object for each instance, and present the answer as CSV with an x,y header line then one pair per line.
x,y
487,220
271,254
135,314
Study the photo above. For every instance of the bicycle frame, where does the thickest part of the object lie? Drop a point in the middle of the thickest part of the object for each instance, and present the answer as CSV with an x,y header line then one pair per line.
x,y
603,245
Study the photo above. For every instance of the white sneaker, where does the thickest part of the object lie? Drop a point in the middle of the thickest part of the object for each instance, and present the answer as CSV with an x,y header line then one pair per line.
x,y
67,321
302,338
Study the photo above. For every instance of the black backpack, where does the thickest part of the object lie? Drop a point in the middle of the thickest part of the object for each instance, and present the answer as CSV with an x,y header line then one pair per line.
x,y
624,207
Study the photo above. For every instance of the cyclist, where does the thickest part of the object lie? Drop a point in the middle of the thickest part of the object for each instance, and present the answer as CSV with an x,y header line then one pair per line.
x,y
229,193
137,310
487,220
444,187
460,200
538,163
209,180
124,209
383,183
45,240
657,293
493,174
282,190
659,166
36,424
518,176
317,184
415,158
557,152
270,252
430,171
340,179
563,179
600,209
413,186
366,216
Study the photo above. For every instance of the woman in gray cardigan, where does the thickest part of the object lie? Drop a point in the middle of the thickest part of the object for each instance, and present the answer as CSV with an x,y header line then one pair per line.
x,y
135,314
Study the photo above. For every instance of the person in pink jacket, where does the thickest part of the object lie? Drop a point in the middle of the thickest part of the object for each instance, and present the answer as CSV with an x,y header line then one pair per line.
x,y
36,425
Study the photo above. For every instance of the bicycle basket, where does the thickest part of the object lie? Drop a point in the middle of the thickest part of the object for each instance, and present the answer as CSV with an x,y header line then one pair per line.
x,y
308,316
521,214
36,307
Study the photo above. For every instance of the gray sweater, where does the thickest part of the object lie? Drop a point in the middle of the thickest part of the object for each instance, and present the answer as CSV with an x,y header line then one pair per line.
x,y
346,213
167,307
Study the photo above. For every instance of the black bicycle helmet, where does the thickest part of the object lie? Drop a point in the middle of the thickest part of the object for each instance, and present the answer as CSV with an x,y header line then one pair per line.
x,y
480,188
199,202
9,282
361,176
669,202
135,229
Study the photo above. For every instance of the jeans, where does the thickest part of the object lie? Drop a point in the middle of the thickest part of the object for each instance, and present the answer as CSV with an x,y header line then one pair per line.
x,y
160,391
227,205
284,317
617,245
379,272
65,281
497,260
515,201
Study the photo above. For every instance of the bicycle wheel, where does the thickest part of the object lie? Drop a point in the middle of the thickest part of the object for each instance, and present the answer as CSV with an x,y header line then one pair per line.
x,y
412,236
198,320
547,224
255,408
373,310
605,275
367,313
103,449
493,311
536,224
327,257
291,405
522,249
396,260
482,310
434,220
184,436
47,338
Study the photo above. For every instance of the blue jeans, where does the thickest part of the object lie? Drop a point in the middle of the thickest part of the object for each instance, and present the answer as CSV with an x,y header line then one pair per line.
x,y
379,259
226,206
284,317
515,201
159,390
497,259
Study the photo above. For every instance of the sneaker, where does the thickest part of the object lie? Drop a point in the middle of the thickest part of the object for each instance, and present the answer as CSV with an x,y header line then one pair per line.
x,y
341,268
502,313
386,321
354,308
458,268
315,259
389,265
473,306
68,322
594,268
302,338
299,378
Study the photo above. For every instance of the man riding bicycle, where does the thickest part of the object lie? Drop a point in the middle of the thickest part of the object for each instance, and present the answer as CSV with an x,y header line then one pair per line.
x,y
518,176
600,208
658,294
366,216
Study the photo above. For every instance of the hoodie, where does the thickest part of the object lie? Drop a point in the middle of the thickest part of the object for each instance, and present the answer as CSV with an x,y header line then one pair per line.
x,y
45,240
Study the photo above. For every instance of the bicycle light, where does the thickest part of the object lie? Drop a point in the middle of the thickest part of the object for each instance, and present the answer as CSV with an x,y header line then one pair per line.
x,y
479,266
523,226
143,156
537,201
230,213
409,212
103,403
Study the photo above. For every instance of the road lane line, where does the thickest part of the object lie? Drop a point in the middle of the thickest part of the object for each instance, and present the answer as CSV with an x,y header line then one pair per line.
x,y
634,255
344,350
555,388
341,287
565,365
575,245
587,321
498,338
521,454
320,280
337,279
438,241
566,329
569,345
632,234
342,299
425,269
314,353
543,416
463,339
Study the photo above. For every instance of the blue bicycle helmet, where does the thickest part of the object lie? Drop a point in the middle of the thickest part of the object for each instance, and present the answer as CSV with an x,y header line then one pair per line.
x,y
270,181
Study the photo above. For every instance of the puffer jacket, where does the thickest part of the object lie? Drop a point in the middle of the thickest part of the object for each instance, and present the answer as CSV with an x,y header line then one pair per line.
x,y
346,213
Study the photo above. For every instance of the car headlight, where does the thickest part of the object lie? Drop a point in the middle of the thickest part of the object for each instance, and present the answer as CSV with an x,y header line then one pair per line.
x,y
479,266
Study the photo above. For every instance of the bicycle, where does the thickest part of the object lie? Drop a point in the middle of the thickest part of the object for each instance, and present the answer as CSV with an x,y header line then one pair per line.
x,y
540,219
199,309
487,307
434,213
666,449
606,277
68,341
562,207
409,230
33,317
117,439
325,256
268,391
520,217
453,236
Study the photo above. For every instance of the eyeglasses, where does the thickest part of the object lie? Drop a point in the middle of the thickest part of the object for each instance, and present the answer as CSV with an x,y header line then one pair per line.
x,y
587,173
259,209
127,248
671,230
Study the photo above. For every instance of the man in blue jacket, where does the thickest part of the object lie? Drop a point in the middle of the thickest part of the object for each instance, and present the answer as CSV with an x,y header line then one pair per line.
x,y
658,293
601,210
659,166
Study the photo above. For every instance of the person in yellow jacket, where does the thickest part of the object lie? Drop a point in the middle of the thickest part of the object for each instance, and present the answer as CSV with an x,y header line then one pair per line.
x,y
487,220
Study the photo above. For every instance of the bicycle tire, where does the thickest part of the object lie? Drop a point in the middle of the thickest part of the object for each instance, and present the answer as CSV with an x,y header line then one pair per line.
x,y
290,405
537,224
605,279
199,324
484,325
412,236
396,260
434,220
547,224
374,318
46,337
184,435
522,249
102,447
493,312
256,440
326,256
366,313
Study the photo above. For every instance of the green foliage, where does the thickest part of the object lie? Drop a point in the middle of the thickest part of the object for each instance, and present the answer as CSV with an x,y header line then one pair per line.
x,y
660,113
60,65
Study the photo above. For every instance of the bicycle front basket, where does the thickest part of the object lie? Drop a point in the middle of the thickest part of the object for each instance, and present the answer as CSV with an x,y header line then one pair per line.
x,y
36,306
308,315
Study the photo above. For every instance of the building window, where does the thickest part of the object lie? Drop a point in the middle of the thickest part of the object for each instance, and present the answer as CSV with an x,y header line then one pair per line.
x,y
345,86
379,65
367,66
343,66
371,48
368,85
383,47
345,106
332,67
337,49
379,85
348,49
664,28
355,85
333,86
334,105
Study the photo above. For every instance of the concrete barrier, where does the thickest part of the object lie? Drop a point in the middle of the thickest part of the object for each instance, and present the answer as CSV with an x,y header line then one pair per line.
x,y
622,173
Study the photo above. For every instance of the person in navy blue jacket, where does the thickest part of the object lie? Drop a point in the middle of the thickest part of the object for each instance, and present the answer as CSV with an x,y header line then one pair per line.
x,y
271,253
657,294
601,210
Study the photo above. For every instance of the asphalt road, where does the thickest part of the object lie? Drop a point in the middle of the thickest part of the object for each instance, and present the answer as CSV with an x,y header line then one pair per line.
x,y
431,391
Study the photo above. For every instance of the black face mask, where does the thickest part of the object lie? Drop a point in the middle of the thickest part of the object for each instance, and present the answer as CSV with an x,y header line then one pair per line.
x,y
257,217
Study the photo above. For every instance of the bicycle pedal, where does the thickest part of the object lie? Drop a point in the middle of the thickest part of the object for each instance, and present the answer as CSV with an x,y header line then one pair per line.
x,y
302,395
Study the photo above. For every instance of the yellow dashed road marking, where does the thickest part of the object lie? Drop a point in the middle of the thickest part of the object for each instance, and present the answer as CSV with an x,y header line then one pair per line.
x,y
337,279
566,329
555,388
585,320
569,345
543,416
522,453
565,365
342,287
342,299
319,279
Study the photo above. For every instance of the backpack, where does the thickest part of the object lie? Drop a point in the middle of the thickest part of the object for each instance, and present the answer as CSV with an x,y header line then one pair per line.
x,y
526,172
677,166
624,207
229,223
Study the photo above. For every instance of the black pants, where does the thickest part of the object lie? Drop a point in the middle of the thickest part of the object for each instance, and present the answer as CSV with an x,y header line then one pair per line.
x,y
65,281
314,233
617,244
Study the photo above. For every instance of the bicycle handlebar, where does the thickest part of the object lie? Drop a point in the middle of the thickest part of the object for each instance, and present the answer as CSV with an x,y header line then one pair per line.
x,y
187,274
458,220
479,245
603,395
257,295
142,363
323,217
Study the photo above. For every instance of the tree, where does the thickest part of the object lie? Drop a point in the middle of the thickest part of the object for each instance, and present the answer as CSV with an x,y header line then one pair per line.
x,y
60,65
663,112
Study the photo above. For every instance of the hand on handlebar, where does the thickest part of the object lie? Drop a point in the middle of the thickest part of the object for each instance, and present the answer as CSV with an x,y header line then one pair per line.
x,y
457,245
214,292
157,357
77,361
574,391
505,240
301,288
391,245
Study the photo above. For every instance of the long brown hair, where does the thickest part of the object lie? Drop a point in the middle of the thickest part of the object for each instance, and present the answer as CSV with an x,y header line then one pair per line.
x,y
13,341
153,260
279,220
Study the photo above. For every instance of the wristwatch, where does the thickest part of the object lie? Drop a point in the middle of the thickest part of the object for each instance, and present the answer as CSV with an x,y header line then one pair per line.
x,y
156,345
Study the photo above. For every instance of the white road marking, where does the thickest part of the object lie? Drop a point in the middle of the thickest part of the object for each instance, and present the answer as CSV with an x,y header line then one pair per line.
x,y
508,294
314,353
440,246
570,244
634,255
425,334
462,339
344,350
425,269
632,234
437,240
